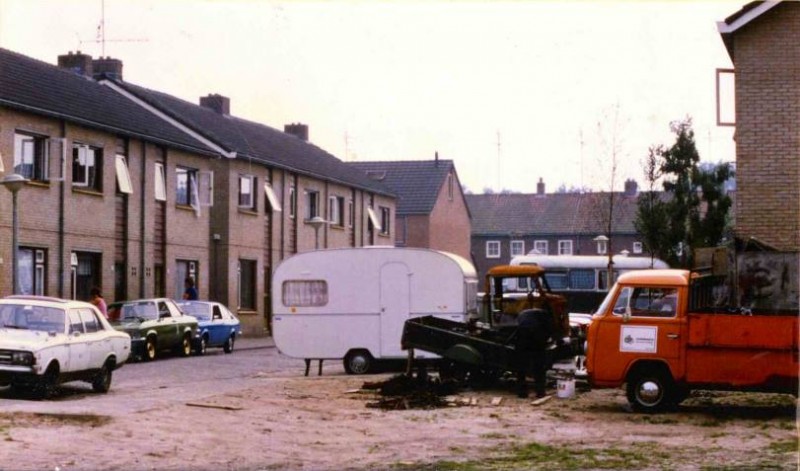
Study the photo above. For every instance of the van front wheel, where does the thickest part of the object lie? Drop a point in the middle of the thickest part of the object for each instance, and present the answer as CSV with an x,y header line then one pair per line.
x,y
650,391
358,362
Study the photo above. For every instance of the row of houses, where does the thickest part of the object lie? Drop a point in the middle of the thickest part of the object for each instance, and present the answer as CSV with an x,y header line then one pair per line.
x,y
134,190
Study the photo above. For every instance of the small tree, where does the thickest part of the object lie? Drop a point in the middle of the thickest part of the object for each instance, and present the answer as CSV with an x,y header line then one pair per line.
x,y
695,208
652,216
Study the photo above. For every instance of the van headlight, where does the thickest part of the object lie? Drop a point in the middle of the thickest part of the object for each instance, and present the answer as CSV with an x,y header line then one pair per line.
x,y
22,358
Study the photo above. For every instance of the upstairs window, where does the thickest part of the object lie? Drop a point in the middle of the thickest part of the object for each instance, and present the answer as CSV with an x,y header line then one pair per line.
x,y
493,249
517,247
312,204
31,157
602,247
336,210
247,188
540,246
124,184
386,218
186,191
637,247
87,167
565,247
292,202
161,183
272,198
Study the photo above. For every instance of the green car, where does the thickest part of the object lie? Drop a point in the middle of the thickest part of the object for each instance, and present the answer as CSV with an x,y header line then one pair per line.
x,y
154,325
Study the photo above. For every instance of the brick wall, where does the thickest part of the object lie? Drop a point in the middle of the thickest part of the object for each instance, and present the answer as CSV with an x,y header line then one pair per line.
x,y
449,226
767,63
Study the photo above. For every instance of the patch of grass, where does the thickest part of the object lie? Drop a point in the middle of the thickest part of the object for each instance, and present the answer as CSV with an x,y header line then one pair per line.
x,y
785,446
540,456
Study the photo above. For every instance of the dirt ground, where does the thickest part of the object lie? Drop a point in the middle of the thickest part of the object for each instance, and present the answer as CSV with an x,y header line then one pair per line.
x,y
319,423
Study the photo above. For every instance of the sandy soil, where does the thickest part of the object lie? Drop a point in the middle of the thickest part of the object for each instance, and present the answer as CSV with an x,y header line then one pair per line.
x,y
315,423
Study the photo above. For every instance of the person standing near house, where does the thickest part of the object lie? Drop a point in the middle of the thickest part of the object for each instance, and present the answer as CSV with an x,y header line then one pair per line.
x,y
189,292
98,301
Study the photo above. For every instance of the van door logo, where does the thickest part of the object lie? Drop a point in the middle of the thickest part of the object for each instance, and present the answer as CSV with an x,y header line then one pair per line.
x,y
640,339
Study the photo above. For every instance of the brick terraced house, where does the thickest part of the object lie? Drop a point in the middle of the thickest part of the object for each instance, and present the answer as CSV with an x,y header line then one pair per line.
x,y
762,41
132,190
507,225
431,209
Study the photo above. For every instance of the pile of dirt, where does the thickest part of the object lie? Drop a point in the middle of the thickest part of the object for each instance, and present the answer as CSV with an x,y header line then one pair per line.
x,y
403,392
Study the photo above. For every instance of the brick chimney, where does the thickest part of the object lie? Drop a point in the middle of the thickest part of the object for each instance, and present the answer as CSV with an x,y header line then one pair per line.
x,y
298,130
631,187
540,187
106,67
220,104
78,63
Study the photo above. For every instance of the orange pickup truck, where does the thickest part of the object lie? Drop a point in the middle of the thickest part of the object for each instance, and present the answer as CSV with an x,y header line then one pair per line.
x,y
647,334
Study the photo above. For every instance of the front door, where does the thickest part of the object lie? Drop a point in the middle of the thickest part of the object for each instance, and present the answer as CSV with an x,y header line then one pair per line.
x,y
395,306
643,323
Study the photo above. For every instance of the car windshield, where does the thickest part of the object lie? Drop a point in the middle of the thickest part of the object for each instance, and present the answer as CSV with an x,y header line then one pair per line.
x,y
140,311
26,317
201,311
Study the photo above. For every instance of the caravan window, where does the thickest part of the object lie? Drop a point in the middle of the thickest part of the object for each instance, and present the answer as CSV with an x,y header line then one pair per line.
x,y
581,279
303,293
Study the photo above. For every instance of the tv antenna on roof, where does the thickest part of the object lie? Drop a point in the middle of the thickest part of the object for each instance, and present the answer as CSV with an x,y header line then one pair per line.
x,y
100,37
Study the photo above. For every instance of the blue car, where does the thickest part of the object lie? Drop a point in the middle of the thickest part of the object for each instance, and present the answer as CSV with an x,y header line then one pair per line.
x,y
216,325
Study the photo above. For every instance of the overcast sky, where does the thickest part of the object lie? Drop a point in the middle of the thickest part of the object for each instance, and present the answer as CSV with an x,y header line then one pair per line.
x,y
511,91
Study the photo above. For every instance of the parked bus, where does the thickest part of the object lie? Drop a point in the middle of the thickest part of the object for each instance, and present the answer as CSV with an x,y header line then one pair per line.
x,y
582,279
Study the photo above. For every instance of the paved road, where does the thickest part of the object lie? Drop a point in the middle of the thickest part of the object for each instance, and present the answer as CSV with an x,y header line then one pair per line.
x,y
144,386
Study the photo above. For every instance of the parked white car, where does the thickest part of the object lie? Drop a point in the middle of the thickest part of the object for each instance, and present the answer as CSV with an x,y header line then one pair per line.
x,y
48,341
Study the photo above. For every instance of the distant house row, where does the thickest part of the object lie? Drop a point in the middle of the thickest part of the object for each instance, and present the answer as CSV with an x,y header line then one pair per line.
x,y
133,190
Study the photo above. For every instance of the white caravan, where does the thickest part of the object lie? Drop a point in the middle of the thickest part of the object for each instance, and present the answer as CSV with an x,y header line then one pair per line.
x,y
352,303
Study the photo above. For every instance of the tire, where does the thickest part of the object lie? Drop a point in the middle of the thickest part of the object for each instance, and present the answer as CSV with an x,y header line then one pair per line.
x,y
46,386
150,350
650,390
358,362
186,345
202,347
228,347
452,371
102,382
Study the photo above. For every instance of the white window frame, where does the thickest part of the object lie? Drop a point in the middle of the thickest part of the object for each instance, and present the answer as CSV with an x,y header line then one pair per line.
x,y
336,210
373,218
493,249
274,204
85,157
247,192
538,244
292,202
386,220
565,247
123,175
602,247
160,182
38,161
312,210
638,247
520,248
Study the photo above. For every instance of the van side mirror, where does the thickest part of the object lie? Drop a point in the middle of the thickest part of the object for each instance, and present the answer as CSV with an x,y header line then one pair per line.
x,y
626,316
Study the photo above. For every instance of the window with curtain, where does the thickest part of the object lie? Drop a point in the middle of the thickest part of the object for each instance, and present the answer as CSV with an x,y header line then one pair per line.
x,y
305,293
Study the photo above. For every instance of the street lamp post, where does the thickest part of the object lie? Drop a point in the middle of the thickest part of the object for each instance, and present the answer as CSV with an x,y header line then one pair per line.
x,y
317,222
14,183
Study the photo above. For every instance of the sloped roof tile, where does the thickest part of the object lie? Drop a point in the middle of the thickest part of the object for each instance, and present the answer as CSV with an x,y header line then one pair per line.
x,y
415,182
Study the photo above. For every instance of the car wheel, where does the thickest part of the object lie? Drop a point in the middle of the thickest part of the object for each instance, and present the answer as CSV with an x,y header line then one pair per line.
x,y
228,347
186,346
358,362
48,382
202,346
650,390
150,351
102,382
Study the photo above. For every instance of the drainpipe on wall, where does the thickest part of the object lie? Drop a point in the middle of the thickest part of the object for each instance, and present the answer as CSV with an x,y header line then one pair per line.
x,y
143,225
61,221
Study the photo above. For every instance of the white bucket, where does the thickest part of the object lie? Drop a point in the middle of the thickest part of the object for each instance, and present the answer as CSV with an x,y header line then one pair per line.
x,y
565,388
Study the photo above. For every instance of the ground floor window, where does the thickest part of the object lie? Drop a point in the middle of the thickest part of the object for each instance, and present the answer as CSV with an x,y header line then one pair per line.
x,y
247,284
31,271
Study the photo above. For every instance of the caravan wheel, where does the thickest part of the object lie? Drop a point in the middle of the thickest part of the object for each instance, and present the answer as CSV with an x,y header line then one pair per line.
x,y
358,362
